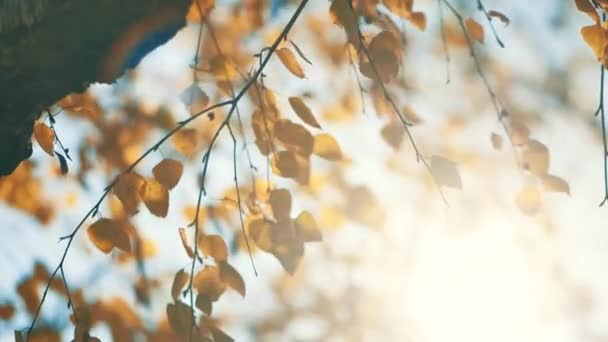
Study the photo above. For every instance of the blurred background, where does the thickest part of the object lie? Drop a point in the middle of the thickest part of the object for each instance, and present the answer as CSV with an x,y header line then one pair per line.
x,y
397,261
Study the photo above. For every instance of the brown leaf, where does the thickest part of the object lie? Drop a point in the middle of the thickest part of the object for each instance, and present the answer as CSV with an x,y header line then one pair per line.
x,y
107,234
219,335
127,190
295,137
168,172
207,282
495,14
325,146
418,19
535,158
290,62
392,133
306,227
204,304
155,197
231,276
284,164
179,281
45,137
184,237
474,29
385,54
553,183
179,317
185,141
342,15
300,53
520,133
280,202
303,112
586,7
6,311
214,246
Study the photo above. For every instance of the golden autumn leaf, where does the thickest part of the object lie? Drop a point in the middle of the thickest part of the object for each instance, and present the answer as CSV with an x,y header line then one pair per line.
x,y
179,281
385,56
445,172
418,19
474,29
290,62
393,134
595,37
326,147
168,172
262,125
496,141
179,317
232,277
306,227
294,137
207,282
185,141
535,158
199,9
303,112
127,190
285,164
280,202
155,197
553,183
528,200
500,16
214,246
259,230
107,234
342,15
185,243
45,137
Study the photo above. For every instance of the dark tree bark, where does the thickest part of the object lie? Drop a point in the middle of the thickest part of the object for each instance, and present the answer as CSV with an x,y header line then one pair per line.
x,y
50,48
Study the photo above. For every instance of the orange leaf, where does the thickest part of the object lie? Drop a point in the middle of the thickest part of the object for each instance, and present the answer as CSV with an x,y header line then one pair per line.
x,y
204,304
156,197
303,111
107,234
325,146
290,62
199,9
214,246
185,141
207,281
392,133
306,227
231,276
184,237
127,190
418,19
168,172
295,137
595,37
586,7
474,29
45,137
180,280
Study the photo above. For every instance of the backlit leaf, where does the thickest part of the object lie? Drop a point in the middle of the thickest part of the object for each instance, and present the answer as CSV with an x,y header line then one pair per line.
x,y
280,202
179,281
418,19
586,7
155,197
306,227
528,200
231,276
214,246
295,137
127,190
595,37
185,141
519,133
45,137
535,158
553,183
303,112
107,234
445,172
474,29
199,9
325,146
385,54
393,133
285,164
184,237
204,303
168,172
290,62
207,282
179,317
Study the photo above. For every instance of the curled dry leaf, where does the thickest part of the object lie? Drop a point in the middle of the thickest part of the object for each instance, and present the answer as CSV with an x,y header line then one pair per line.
x,y
184,237
474,29
326,147
553,183
214,246
500,16
290,62
232,278
155,197
107,234
445,172
168,172
528,200
179,281
45,137
303,112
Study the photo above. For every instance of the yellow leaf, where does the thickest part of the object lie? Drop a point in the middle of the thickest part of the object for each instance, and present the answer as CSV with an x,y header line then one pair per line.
x,y
127,190
107,234
45,137
284,164
231,276
295,137
180,280
306,227
214,246
535,158
290,62
392,133
555,184
303,111
528,200
155,197
207,282
259,230
595,37
280,202
262,127
418,19
505,20
445,172
185,141
325,146
184,237
496,141
199,9
168,172
474,29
